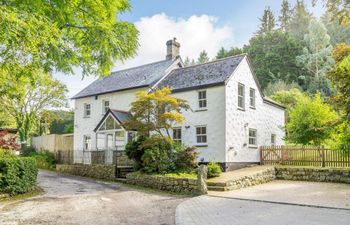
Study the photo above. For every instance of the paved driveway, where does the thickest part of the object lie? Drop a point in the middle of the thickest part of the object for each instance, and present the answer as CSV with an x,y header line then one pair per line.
x,y
274,203
71,200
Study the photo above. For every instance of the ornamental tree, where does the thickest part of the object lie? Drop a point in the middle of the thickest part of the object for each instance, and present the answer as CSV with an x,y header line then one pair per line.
x,y
156,111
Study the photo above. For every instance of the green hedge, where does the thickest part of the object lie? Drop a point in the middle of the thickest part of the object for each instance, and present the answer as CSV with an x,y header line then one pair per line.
x,y
17,174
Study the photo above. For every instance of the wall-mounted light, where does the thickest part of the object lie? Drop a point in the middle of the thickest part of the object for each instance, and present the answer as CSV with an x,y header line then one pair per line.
x,y
96,97
187,126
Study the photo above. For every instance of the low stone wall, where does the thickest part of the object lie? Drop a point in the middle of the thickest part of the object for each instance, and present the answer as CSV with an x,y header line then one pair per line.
x,y
318,174
103,172
173,184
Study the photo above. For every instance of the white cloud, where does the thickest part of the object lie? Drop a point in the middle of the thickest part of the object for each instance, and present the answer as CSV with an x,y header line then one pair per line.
x,y
195,34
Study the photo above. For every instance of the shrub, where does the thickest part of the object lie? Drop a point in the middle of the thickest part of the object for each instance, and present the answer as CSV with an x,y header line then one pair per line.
x,y
186,158
8,142
158,155
134,151
214,170
17,174
44,159
5,153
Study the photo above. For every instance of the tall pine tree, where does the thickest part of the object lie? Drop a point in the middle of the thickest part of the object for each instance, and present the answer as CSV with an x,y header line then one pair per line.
x,y
268,22
203,57
301,17
285,16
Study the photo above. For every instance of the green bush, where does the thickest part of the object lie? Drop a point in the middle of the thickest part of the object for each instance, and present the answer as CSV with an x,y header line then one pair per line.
x,y
17,175
214,170
44,159
158,155
186,158
135,152
5,153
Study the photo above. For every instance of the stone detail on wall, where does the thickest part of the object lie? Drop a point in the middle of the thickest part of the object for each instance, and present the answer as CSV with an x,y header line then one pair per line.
x,y
318,174
98,171
260,177
172,184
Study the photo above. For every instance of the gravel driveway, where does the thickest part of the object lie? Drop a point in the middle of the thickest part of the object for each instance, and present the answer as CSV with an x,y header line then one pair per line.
x,y
73,200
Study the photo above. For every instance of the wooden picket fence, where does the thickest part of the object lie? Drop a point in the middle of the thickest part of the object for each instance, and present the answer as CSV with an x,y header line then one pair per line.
x,y
303,156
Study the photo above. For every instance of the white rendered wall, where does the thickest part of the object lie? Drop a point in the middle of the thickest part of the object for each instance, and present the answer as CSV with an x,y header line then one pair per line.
x,y
266,119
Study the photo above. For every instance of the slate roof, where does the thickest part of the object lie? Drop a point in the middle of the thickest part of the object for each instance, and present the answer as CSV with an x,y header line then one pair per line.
x,y
203,75
141,76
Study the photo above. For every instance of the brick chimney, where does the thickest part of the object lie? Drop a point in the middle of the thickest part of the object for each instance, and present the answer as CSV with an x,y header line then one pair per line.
x,y
172,49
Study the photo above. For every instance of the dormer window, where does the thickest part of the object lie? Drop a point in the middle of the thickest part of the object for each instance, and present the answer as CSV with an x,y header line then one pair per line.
x,y
202,99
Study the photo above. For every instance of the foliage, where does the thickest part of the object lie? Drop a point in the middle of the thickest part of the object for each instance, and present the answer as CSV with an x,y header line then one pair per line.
x,y
214,170
285,17
44,159
134,151
158,155
17,175
339,33
268,22
311,121
340,77
340,10
316,58
156,111
269,58
59,35
203,57
30,99
5,153
63,122
299,23
192,175
278,86
8,142
223,53
185,158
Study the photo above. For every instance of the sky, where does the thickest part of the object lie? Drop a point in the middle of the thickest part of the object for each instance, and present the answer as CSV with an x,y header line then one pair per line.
x,y
197,24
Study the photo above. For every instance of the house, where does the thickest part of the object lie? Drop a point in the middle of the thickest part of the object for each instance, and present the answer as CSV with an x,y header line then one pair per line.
x,y
229,120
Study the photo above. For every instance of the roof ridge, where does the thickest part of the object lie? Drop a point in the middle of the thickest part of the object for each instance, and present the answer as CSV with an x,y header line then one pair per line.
x,y
214,61
147,64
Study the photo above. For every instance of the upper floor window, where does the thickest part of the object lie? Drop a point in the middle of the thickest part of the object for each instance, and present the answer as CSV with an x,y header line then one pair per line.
x,y
201,134
273,139
241,96
202,99
252,137
252,97
87,110
105,106
177,134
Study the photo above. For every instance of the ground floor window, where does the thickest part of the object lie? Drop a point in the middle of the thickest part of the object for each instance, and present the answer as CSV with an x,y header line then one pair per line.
x,y
177,134
252,137
273,139
87,142
201,134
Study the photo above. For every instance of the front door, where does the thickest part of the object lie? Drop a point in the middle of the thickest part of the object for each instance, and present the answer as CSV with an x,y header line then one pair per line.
x,y
109,141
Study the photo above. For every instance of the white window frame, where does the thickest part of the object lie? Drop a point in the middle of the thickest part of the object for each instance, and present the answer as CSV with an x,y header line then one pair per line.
x,y
241,97
254,138
201,135
252,98
202,101
273,139
104,108
87,142
176,138
87,109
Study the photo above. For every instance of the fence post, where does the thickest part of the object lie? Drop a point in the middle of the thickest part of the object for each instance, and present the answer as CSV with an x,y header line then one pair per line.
x,y
282,154
323,157
261,156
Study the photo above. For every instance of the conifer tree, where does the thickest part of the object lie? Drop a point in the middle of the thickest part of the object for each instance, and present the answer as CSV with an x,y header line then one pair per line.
x,y
203,57
268,22
285,16
300,21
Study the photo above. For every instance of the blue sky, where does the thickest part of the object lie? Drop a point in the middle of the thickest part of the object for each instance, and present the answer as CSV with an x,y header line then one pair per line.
x,y
198,25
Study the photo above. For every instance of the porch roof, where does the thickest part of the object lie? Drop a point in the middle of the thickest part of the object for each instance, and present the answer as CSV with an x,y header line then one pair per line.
x,y
119,115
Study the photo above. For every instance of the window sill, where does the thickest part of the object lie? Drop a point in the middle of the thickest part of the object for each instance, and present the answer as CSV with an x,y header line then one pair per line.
x,y
200,110
252,107
241,109
201,145
86,117
253,146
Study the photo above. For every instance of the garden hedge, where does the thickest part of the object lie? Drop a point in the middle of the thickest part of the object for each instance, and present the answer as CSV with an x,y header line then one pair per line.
x,y
17,175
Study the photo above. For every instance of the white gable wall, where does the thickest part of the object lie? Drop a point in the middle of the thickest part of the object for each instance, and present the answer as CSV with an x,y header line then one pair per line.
x,y
213,118
266,119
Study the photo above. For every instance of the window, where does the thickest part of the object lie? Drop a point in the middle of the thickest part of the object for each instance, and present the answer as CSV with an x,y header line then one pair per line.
x,y
131,136
100,141
252,137
120,135
87,110
273,139
252,97
105,106
241,96
177,134
87,142
201,134
202,99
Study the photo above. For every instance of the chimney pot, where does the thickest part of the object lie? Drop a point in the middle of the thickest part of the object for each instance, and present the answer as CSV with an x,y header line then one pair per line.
x,y
173,49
